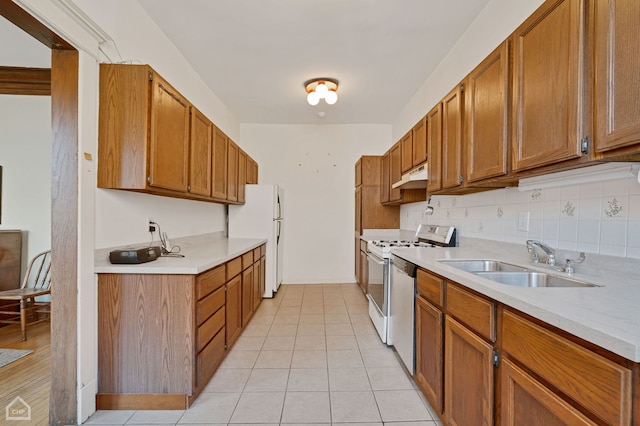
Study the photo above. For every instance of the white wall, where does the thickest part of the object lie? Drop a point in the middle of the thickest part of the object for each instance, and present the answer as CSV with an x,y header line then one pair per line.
x,y
25,157
494,24
601,218
315,166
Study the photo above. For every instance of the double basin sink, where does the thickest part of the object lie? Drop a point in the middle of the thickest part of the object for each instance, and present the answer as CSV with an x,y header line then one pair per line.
x,y
514,275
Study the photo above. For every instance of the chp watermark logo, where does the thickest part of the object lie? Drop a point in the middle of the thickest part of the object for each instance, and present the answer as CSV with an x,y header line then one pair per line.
x,y
18,410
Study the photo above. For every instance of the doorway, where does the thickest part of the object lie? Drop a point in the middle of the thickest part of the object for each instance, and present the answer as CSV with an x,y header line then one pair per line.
x,y
64,213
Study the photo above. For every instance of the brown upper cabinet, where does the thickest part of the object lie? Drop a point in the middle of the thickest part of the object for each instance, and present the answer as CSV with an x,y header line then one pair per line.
x,y
452,133
252,171
406,150
201,155
617,80
487,117
548,86
395,171
434,148
232,171
152,139
419,132
385,179
220,148
242,174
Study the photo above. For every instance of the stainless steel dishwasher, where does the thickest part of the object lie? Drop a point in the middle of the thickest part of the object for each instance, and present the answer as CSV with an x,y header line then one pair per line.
x,y
401,315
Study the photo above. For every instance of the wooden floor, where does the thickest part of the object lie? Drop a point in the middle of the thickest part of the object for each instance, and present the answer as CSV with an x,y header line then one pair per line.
x,y
29,377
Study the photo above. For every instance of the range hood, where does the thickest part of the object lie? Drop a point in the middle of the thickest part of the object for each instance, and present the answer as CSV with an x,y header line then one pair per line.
x,y
415,179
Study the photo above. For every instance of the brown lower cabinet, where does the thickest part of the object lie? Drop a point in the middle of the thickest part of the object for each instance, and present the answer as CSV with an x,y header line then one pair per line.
x,y
479,362
162,336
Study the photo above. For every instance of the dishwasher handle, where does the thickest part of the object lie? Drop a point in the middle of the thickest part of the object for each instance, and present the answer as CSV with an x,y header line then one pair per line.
x,y
404,266
375,258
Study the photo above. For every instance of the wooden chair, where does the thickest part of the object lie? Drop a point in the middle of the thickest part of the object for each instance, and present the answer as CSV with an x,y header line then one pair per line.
x,y
37,282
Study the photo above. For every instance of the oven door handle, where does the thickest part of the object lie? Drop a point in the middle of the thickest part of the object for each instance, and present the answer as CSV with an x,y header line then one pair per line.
x,y
375,258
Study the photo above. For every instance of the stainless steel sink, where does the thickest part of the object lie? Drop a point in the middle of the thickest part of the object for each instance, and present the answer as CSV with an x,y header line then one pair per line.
x,y
483,266
533,279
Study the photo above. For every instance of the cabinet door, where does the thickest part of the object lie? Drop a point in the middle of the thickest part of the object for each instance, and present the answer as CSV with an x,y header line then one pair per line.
x,y
247,295
233,310
420,142
358,209
201,154
257,294
385,180
486,116
359,172
263,273
169,137
395,172
232,171
468,377
429,352
617,59
452,139
434,148
357,262
406,150
524,401
548,91
220,145
242,174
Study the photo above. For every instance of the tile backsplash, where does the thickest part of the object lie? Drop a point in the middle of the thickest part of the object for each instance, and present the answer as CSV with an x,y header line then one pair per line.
x,y
601,218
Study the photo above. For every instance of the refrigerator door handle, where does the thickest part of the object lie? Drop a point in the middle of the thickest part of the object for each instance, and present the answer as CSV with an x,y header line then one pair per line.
x,y
278,234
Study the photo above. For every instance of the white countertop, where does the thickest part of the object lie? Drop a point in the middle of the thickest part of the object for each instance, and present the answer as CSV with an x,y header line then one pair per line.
x,y
200,252
608,316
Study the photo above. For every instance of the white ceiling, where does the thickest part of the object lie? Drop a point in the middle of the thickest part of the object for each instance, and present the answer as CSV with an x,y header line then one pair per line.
x,y
256,54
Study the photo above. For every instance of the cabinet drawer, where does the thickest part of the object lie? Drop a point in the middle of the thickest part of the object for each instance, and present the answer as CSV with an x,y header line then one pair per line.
x,y
209,359
210,327
256,254
234,267
476,312
247,260
207,306
263,250
210,281
522,396
430,287
596,383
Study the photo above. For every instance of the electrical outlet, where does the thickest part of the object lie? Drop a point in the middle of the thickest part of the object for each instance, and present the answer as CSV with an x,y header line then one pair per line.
x,y
523,221
150,224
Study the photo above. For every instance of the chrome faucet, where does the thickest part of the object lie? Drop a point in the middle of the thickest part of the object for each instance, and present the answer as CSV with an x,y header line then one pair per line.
x,y
551,257
551,253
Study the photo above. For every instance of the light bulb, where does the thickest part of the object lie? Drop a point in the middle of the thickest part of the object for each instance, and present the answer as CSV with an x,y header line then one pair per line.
x,y
313,98
322,90
331,97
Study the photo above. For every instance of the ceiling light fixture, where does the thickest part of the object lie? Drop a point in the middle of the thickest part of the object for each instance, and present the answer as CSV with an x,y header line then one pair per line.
x,y
321,88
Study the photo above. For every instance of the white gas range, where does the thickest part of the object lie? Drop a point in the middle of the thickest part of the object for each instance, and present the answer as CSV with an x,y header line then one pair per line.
x,y
379,286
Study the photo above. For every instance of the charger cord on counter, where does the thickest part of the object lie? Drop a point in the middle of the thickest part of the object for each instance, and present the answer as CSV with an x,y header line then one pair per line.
x,y
167,249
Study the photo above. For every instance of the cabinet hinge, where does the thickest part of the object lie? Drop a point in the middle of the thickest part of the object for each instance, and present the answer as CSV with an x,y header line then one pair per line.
x,y
189,188
150,76
496,358
460,179
149,179
225,346
462,87
584,145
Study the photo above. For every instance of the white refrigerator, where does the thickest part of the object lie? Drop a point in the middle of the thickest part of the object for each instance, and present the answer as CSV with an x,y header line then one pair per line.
x,y
261,217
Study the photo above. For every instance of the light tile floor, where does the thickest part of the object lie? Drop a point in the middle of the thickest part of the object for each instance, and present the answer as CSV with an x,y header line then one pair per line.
x,y
308,356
